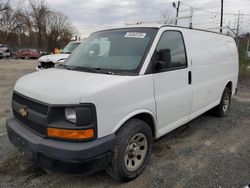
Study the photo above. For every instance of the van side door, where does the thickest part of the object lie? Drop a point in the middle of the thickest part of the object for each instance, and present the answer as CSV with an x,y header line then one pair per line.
x,y
172,82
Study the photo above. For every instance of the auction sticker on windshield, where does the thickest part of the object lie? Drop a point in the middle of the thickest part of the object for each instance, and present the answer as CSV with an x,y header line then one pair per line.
x,y
135,35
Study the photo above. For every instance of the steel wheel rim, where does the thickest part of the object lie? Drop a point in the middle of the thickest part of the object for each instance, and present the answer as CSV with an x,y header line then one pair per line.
x,y
226,102
135,152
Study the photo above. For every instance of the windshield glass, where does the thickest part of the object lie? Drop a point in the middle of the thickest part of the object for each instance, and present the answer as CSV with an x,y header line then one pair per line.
x,y
70,47
118,50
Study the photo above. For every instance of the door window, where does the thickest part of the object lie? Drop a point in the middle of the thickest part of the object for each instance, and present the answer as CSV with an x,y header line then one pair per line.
x,y
172,42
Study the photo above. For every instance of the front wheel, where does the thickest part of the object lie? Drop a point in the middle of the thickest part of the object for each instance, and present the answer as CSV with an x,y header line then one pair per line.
x,y
224,106
132,150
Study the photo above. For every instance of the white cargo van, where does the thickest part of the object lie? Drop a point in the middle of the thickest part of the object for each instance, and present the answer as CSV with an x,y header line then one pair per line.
x,y
118,91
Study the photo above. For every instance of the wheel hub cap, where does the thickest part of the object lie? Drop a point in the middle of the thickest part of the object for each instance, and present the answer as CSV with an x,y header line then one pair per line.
x,y
226,103
135,152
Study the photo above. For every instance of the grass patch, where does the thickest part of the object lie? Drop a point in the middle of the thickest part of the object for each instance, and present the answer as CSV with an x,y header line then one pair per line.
x,y
244,62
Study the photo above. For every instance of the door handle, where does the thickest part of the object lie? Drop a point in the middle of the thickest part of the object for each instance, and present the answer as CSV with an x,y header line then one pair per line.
x,y
189,77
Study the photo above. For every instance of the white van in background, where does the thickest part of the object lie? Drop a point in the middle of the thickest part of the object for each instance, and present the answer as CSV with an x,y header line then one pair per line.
x,y
117,92
49,61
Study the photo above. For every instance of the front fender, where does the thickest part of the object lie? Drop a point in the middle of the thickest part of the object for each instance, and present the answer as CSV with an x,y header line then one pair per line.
x,y
133,114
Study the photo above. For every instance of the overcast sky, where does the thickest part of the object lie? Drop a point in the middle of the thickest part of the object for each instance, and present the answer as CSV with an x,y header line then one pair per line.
x,y
90,15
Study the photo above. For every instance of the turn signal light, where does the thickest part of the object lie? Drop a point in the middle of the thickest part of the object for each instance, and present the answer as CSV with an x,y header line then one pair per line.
x,y
70,134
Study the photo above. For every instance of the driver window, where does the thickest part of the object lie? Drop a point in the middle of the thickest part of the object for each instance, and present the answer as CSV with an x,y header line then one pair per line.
x,y
172,42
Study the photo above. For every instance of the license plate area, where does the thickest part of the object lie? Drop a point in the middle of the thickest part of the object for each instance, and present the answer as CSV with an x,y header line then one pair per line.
x,y
21,144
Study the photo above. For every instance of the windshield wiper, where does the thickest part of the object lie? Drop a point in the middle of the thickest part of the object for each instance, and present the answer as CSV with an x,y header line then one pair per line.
x,y
97,70
88,69
66,67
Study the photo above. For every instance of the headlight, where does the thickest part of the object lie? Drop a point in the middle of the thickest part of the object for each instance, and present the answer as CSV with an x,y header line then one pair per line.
x,y
70,115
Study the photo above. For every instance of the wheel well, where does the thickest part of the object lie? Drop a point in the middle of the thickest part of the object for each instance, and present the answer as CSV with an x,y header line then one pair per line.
x,y
230,86
147,118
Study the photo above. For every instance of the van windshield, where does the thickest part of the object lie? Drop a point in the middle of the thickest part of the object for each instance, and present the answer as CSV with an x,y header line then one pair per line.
x,y
116,51
70,47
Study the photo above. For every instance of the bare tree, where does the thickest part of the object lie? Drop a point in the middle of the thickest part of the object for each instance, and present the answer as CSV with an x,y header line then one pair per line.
x,y
39,13
33,24
4,5
7,21
26,25
59,30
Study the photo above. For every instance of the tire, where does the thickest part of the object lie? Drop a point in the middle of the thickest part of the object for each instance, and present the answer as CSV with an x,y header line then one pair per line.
x,y
223,108
133,143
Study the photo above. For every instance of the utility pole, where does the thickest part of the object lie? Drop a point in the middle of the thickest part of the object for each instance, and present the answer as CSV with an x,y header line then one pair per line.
x,y
177,12
18,34
247,45
237,31
228,27
191,18
221,17
248,36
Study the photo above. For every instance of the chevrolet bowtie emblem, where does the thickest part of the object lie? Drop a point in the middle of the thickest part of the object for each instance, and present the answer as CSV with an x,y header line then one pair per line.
x,y
23,111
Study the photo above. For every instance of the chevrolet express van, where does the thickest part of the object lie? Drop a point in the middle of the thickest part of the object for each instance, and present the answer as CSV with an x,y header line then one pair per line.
x,y
118,91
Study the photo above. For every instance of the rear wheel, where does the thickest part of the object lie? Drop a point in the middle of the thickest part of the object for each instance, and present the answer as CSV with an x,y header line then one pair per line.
x,y
132,150
224,106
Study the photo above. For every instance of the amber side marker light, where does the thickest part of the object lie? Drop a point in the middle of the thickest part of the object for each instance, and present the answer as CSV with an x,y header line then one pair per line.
x,y
70,134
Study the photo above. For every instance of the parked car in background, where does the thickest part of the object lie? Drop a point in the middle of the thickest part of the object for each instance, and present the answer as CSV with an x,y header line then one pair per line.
x,y
42,52
49,61
26,53
4,51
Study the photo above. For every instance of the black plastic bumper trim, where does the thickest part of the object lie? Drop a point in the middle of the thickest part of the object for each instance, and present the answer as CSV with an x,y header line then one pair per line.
x,y
63,156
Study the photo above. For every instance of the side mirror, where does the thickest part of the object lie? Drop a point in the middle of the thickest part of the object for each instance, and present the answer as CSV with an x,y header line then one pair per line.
x,y
164,59
60,61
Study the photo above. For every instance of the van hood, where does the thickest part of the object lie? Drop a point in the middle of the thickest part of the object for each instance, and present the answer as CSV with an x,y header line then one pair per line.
x,y
53,57
60,86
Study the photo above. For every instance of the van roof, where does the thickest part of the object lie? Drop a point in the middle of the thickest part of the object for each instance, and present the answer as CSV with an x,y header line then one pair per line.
x,y
157,26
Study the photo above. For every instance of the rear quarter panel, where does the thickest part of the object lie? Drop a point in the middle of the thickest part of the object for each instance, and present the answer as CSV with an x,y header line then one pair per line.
x,y
214,60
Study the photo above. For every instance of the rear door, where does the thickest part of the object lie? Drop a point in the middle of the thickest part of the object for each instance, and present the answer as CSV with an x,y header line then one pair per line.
x,y
173,87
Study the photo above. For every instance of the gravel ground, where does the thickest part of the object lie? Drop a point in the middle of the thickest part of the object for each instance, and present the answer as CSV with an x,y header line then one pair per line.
x,y
207,152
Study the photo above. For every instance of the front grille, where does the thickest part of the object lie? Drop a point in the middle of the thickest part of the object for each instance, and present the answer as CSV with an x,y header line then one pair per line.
x,y
31,121
47,65
37,107
31,125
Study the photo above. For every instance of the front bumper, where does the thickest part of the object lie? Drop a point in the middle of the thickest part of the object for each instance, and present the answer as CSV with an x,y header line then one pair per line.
x,y
62,156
